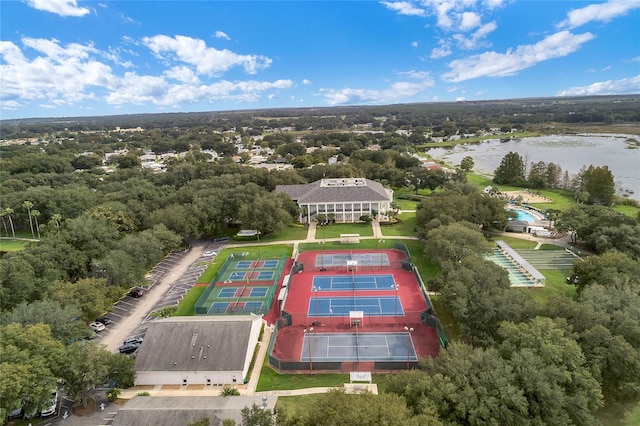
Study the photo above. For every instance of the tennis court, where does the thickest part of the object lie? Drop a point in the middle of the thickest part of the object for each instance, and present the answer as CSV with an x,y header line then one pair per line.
x,y
234,307
243,291
256,264
253,276
366,259
341,306
358,347
353,282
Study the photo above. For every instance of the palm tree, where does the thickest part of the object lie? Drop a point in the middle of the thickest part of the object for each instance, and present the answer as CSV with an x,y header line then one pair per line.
x,y
8,211
56,218
35,214
29,205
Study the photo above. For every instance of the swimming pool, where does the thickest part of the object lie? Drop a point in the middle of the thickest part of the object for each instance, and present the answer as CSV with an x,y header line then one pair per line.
x,y
525,216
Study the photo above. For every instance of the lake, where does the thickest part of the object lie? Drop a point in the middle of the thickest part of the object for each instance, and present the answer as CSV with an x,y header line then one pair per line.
x,y
571,152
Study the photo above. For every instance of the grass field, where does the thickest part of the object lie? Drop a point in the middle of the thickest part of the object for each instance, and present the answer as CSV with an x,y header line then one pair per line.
x,y
516,243
616,414
292,232
406,226
9,244
406,204
186,307
335,229
628,210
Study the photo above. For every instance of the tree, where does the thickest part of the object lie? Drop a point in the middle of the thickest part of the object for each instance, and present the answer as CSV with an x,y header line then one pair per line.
x,y
510,171
551,371
537,178
256,416
612,270
28,205
467,164
36,214
86,366
598,182
8,212
454,242
63,321
91,296
30,361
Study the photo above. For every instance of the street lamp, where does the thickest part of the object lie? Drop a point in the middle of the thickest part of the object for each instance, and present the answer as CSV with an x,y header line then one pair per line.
x,y
396,287
409,330
315,290
309,347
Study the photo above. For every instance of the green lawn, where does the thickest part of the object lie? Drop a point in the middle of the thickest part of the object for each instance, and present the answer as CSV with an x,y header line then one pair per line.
x,y
186,305
406,226
550,247
449,323
619,414
292,232
406,204
516,243
335,229
271,380
555,287
630,211
9,244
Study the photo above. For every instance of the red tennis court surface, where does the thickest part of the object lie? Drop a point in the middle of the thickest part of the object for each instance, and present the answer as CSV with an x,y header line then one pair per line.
x,y
300,314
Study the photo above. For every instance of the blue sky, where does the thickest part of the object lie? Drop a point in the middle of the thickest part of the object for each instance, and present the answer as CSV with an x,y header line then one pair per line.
x,y
82,58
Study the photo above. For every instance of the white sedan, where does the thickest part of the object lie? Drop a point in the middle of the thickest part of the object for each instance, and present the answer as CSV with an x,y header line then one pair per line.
x,y
97,326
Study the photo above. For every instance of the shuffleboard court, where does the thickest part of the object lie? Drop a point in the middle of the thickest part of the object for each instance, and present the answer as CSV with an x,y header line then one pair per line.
x,y
353,282
341,306
358,347
246,292
234,307
366,259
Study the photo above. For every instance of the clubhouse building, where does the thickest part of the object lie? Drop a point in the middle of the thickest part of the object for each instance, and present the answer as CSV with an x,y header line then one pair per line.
x,y
342,199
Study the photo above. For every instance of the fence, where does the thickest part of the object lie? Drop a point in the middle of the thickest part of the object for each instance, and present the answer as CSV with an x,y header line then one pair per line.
x,y
410,317
205,304
429,316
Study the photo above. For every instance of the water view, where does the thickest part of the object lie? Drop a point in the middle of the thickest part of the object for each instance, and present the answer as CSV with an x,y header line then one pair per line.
x,y
571,152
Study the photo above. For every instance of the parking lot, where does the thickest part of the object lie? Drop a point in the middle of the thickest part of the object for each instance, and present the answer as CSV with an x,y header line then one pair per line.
x,y
167,283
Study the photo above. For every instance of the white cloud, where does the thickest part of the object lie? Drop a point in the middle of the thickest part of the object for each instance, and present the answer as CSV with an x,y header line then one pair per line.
x,y
59,7
53,74
62,73
602,12
624,86
416,75
306,82
396,92
222,34
469,21
493,4
415,44
207,60
493,64
404,8
443,50
477,39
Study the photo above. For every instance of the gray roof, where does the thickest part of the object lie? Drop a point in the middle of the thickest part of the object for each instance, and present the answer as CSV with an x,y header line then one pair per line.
x,y
182,410
196,343
322,192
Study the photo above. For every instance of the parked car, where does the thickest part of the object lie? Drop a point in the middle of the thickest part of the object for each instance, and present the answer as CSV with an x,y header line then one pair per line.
x,y
103,320
137,340
209,253
136,292
128,348
52,406
97,326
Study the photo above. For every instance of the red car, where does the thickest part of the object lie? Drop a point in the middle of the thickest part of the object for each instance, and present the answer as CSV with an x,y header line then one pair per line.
x,y
136,292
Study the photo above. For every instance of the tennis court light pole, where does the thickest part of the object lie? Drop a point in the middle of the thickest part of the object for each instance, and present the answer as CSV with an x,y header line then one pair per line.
x,y
309,347
409,330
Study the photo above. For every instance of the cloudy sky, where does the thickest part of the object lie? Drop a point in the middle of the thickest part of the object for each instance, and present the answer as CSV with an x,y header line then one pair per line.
x,y
80,58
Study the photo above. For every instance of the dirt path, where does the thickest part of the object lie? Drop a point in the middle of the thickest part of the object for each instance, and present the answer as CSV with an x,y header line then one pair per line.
x,y
126,326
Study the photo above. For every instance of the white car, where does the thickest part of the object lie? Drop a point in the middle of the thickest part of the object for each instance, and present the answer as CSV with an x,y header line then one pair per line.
x,y
97,326
51,406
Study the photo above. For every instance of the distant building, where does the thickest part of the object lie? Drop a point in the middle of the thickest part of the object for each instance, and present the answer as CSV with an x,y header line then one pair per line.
x,y
210,351
347,198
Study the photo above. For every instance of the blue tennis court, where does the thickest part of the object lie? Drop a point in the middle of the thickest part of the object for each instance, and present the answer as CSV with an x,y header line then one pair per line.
x,y
248,292
265,275
358,347
234,307
237,275
341,306
270,264
244,264
351,282
256,264
365,259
